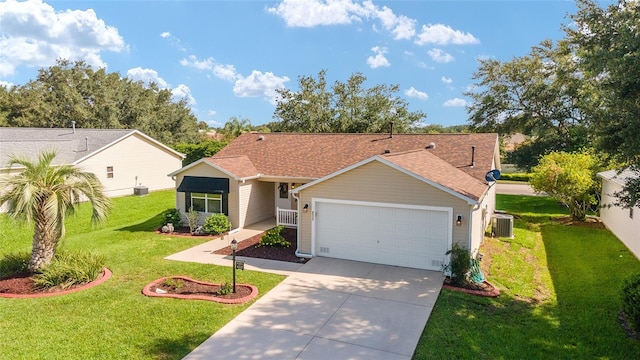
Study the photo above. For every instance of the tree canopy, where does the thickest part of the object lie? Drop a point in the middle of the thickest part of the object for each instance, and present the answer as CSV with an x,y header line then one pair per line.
x,y
92,98
581,92
344,107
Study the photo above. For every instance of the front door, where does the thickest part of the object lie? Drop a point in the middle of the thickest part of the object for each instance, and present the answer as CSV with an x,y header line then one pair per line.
x,y
282,196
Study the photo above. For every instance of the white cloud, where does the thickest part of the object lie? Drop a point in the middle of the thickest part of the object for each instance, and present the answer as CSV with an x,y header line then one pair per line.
x,y
174,41
443,35
439,55
447,80
414,93
147,76
379,60
259,84
212,113
226,72
192,61
183,92
310,13
33,33
456,102
6,84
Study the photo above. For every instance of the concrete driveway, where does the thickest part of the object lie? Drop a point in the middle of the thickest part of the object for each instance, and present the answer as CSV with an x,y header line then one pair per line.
x,y
332,309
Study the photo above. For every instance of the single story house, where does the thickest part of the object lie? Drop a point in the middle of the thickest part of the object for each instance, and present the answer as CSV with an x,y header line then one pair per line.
x,y
121,159
623,223
397,199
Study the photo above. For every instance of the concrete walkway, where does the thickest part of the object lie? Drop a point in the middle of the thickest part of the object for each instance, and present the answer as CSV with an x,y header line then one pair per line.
x,y
203,253
325,309
332,309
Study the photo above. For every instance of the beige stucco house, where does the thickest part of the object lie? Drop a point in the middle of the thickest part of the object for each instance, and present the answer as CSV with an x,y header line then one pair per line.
x,y
398,199
623,223
121,159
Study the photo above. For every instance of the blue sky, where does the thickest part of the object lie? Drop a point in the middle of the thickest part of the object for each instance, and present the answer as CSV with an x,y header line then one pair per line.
x,y
228,57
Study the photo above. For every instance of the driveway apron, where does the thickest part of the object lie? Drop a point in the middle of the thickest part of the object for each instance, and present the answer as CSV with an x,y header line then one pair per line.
x,y
332,309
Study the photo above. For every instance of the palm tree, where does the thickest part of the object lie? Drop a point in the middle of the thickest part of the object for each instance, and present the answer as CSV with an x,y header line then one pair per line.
x,y
45,194
235,127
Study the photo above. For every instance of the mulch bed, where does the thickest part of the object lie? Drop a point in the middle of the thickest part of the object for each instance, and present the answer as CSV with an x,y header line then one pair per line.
x,y
182,287
22,286
589,222
485,289
250,248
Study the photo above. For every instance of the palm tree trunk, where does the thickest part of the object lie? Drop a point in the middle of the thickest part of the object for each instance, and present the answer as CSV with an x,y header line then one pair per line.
x,y
44,245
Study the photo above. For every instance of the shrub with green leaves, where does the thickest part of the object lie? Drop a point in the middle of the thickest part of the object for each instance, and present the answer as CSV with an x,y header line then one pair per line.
x,y
171,216
15,263
516,177
459,264
631,300
225,289
217,224
273,237
68,269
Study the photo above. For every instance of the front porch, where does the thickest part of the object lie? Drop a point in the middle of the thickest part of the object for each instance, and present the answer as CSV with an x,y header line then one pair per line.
x,y
287,217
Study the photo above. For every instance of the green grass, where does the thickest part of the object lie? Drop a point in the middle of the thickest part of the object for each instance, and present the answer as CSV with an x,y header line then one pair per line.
x,y
560,295
114,320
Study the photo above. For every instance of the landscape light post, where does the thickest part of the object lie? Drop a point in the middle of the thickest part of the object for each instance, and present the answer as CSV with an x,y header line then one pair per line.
x,y
234,247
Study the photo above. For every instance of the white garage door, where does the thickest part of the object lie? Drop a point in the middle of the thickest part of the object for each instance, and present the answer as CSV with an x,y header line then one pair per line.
x,y
415,237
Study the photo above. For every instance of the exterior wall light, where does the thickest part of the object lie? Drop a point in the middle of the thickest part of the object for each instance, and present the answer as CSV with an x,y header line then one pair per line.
x,y
305,208
459,220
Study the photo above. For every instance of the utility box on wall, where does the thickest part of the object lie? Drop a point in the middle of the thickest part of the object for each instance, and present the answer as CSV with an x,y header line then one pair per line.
x,y
502,225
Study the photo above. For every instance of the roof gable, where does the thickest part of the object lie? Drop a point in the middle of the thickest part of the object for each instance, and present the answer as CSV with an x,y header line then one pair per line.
x,y
72,146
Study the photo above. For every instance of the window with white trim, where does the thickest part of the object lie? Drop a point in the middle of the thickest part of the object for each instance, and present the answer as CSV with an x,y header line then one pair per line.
x,y
109,172
208,203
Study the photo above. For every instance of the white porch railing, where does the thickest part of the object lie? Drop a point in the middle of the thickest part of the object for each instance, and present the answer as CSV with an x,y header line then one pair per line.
x,y
287,217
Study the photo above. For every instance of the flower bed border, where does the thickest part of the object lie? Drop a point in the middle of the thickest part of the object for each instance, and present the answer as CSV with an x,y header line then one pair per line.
x,y
106,274
147,291
494,293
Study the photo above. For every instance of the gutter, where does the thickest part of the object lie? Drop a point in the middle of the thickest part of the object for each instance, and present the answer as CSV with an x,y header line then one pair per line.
x,y
298,253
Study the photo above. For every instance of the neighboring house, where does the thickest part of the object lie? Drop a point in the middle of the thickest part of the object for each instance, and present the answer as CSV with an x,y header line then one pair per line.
x,y
399,199
121,159
623,223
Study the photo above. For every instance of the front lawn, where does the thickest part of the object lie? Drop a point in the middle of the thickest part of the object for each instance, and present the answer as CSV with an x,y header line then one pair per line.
x,y
114,320
560,295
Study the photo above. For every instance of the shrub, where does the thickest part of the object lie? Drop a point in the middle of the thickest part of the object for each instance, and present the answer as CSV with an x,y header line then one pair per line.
x,y
171,216
217,224
225,289
192,218
631,300
12,264
273,237
459,264
68,269
516,177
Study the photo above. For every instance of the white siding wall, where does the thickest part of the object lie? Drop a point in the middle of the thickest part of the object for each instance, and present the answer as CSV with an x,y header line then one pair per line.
x,y
376,182
617,219
135,161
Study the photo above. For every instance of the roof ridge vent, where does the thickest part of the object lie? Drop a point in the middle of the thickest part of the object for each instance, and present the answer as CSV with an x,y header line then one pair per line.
x,y
431,145
260,138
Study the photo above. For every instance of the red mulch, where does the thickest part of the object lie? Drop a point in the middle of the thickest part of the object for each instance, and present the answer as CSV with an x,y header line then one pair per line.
x,y
250,248
20,284
186,287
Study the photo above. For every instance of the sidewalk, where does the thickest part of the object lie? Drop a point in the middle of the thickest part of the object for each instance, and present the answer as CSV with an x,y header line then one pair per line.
x,y
203,253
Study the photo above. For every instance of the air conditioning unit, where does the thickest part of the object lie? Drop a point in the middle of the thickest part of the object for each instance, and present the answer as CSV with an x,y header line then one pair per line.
x,y
502,225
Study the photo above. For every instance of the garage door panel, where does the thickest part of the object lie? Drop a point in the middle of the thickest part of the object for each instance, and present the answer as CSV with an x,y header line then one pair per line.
x,y
382,234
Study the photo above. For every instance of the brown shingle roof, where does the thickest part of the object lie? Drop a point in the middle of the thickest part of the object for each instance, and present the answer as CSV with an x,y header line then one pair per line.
x,y
424,164
316,155
239,165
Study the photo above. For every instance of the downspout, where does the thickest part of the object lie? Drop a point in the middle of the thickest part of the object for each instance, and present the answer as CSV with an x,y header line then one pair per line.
x,y
298,253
